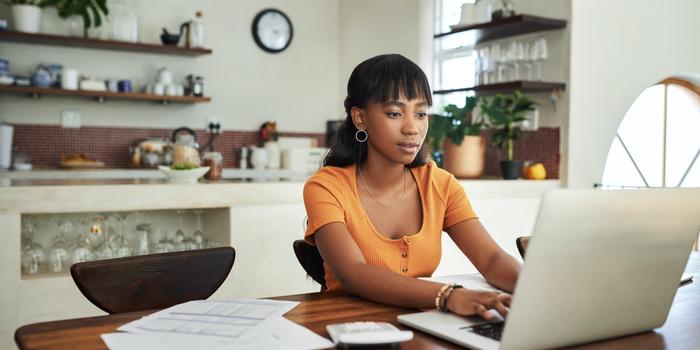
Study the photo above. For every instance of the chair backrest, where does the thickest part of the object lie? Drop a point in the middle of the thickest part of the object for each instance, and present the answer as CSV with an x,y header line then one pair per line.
x,y
154,281
311,260
521,243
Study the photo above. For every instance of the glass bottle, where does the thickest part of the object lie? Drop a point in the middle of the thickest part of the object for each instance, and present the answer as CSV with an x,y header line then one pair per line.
x,y
197,30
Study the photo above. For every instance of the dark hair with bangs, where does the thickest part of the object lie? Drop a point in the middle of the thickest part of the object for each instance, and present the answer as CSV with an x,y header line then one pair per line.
x,y
379,79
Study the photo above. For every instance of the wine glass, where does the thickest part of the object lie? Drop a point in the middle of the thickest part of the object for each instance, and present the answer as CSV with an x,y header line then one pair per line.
x,y
82,252
198,235
121,243
163,245
32,252
540,55
96,232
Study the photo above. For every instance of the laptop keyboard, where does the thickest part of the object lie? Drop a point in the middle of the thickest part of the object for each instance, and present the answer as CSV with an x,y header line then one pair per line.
x,y
490,330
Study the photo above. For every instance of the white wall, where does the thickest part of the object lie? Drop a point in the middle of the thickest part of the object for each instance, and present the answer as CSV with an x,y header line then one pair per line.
x,y
370,27
618,48
298,88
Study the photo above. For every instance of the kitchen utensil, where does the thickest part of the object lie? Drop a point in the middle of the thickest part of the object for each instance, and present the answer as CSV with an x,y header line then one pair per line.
x,y
69,79
41,77
112,85
258,157
165,76
185,148
124,85
54,70
6,131
169,38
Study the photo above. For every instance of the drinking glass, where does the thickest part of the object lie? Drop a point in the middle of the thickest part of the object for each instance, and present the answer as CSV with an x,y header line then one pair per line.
x,y
198,234
96,232
82,252
541,54
58,250
32,252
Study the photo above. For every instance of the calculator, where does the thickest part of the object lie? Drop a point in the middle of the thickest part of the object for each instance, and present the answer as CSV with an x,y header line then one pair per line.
x,y
367,333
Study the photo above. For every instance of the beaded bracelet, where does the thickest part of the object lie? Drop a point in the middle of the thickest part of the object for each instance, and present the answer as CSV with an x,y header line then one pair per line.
x,y
438,298
446,296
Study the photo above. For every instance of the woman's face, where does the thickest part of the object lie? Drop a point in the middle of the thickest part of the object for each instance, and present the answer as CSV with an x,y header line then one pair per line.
x,y
396,129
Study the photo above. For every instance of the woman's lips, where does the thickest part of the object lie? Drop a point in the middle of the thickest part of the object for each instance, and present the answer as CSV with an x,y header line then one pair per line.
x,y
409,147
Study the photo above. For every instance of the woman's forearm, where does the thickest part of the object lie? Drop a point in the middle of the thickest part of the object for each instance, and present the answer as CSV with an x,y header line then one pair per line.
x,y
503,271
378,284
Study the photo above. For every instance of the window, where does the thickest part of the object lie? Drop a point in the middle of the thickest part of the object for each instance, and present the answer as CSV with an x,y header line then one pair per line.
x,y
454,63
656,143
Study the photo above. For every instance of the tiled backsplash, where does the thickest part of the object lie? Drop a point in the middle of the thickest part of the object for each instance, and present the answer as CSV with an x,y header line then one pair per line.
x,y
44,145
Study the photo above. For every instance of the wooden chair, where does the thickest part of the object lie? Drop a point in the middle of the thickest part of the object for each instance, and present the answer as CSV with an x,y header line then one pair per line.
x,y
311,260
153,281
521,243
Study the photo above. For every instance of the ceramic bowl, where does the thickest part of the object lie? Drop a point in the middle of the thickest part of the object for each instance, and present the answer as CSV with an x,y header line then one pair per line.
x,y
189,176
169,39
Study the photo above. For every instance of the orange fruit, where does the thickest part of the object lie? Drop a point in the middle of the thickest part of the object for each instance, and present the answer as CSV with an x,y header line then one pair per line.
x,y
535,172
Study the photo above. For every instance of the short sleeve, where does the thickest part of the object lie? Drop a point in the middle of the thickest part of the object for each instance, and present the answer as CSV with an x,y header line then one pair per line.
x,y
457,205
324,202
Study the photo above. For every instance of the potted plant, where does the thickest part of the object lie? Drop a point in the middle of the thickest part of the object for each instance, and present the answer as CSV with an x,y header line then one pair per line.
x,y
504,114
458,134
90,11
26,14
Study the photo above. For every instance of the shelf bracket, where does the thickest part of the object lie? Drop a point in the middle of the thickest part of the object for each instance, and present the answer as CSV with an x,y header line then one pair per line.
x,y
35,95
100,99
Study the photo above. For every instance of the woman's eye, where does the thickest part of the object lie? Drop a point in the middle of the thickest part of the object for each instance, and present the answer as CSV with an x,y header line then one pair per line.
x,y
422,115
393,114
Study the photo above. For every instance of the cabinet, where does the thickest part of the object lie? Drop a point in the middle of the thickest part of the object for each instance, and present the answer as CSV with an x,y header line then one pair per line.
x,y
98,44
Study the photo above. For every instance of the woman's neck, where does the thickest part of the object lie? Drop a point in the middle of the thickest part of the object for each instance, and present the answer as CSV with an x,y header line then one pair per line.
x,y
381,173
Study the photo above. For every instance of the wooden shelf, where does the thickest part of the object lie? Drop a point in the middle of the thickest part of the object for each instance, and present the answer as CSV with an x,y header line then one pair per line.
x,y
71,41
506,27
100,96
524,86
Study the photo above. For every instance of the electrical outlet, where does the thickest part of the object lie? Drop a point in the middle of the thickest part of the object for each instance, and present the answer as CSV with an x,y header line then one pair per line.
x,y
213,126
70,119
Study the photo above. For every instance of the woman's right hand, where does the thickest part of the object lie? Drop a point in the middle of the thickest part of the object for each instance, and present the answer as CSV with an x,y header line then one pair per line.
x,y
468,302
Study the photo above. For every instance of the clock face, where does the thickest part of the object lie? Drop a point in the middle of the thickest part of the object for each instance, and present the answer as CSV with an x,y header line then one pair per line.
x,y
272,30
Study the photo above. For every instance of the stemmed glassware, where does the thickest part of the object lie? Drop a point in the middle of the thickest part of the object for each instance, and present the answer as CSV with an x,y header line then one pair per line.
x,y
198,235
121,243
58,251
32,252
539,54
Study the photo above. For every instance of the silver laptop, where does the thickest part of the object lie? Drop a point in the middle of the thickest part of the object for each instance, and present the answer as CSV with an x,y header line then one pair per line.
x,y
600,264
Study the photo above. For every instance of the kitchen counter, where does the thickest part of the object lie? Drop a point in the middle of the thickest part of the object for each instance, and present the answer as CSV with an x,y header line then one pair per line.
x,y
260,219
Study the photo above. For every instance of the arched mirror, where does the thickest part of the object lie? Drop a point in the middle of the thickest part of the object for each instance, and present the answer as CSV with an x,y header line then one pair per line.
x,y
658,141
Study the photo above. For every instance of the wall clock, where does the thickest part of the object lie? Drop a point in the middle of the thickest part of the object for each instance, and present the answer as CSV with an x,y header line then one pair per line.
x,y
272,30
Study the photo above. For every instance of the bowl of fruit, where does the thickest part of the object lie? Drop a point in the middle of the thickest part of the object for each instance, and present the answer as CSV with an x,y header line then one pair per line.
x,y
180,173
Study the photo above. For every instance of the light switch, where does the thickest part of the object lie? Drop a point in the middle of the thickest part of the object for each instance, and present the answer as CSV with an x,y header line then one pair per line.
x,y
70,118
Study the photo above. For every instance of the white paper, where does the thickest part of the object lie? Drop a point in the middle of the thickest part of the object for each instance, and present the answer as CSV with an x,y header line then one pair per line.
x,y
229,319
470,281
274,333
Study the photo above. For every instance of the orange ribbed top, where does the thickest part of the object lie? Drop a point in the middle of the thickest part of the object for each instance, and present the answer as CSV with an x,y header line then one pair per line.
x,y
331,195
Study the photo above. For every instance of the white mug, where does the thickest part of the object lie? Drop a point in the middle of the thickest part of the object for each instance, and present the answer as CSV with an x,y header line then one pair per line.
x,y
69,79
159,89
170,90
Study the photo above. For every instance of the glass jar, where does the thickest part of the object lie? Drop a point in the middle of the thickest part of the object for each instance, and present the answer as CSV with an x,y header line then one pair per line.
x,y
186,152
215,162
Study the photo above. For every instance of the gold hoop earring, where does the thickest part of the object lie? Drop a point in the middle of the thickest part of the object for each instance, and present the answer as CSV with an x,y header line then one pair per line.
x,y
357,136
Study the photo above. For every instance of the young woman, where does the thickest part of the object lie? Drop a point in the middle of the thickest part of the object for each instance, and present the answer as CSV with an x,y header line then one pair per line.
x,y
377,209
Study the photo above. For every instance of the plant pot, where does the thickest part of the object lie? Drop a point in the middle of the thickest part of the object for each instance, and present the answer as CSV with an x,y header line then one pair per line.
x,y
27,18
511,169
465,161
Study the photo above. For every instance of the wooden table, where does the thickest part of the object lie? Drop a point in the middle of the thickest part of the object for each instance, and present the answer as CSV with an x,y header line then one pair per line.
x,y
681,330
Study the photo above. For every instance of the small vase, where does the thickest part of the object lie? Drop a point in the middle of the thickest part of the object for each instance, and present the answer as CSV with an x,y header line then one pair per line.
x,y
27,18
511,169
465,161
